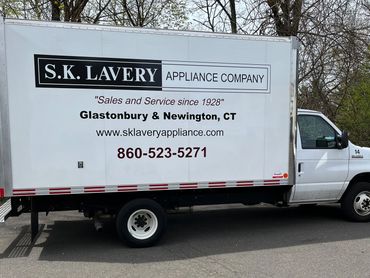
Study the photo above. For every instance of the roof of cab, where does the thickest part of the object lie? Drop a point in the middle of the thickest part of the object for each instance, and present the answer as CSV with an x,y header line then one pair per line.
x,y
307,111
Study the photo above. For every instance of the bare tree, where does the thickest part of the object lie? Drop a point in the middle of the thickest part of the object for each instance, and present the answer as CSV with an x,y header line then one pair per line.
x,y
219,15
30,9
228,7
286,15
148,13
73,9
210,9
334,38
333,35
140,13
95,12
70,10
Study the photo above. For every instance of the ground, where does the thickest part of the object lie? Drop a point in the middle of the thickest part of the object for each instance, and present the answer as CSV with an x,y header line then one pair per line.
x,y
205,242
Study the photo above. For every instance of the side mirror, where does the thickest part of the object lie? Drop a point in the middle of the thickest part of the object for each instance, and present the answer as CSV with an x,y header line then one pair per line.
x,y
342,140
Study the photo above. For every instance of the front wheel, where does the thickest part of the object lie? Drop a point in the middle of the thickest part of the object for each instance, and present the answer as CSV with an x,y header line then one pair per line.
x,y
141,222
356,202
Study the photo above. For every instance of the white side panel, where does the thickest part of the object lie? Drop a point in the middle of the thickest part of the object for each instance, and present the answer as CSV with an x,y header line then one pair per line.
x,y
49,136
5,154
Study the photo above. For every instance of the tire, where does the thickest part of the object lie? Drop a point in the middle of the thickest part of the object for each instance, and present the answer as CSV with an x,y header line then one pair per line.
x,y
356,202
141,223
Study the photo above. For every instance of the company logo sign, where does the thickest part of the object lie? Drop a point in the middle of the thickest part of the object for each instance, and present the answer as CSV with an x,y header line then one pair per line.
x,y
97,73
134,74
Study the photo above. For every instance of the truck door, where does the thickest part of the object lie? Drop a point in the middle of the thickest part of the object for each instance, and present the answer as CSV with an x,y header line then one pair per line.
x,y
322,167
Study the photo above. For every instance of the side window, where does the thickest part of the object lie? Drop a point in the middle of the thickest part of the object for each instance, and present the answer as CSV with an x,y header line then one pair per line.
x,y
316,133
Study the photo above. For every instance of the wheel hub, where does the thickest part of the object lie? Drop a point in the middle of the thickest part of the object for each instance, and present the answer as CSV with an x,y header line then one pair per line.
x,y
366,204
361,203
142,224
141,221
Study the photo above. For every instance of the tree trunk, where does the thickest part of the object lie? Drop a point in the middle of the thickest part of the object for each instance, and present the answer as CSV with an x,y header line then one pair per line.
x,y
287,16
55,10
234,28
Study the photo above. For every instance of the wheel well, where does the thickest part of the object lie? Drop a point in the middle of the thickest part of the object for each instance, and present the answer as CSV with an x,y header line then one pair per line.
x,y
363,177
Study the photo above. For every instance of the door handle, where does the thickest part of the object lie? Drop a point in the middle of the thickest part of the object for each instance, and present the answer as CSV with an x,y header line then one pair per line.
x,y
300,167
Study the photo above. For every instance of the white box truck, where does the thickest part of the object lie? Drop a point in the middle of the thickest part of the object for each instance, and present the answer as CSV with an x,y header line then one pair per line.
x,y
133,122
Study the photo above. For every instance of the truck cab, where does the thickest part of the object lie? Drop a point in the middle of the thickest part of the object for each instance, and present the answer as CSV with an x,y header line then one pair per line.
x,y
329,168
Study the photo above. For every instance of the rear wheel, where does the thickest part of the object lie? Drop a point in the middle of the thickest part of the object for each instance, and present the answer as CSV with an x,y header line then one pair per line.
x,y
356,202
141,222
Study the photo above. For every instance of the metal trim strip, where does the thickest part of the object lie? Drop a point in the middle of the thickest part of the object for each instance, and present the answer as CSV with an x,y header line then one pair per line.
x,y
146,187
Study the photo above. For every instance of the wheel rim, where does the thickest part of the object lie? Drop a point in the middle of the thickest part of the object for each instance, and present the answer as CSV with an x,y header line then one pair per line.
x,y
361,203
142,224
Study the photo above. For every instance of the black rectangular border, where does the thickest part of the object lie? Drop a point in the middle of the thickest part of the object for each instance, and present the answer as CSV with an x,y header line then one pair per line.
x,y
38,84
267,67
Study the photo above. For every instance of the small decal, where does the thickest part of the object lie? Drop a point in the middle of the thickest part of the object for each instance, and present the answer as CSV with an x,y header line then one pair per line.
x,y
277,175
357,154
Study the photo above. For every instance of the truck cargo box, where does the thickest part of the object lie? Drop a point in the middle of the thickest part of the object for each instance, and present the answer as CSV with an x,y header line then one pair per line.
x,y
97,109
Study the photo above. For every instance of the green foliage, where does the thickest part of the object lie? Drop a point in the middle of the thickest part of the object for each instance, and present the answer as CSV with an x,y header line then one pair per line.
x,y
173,16
354,113
10,8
